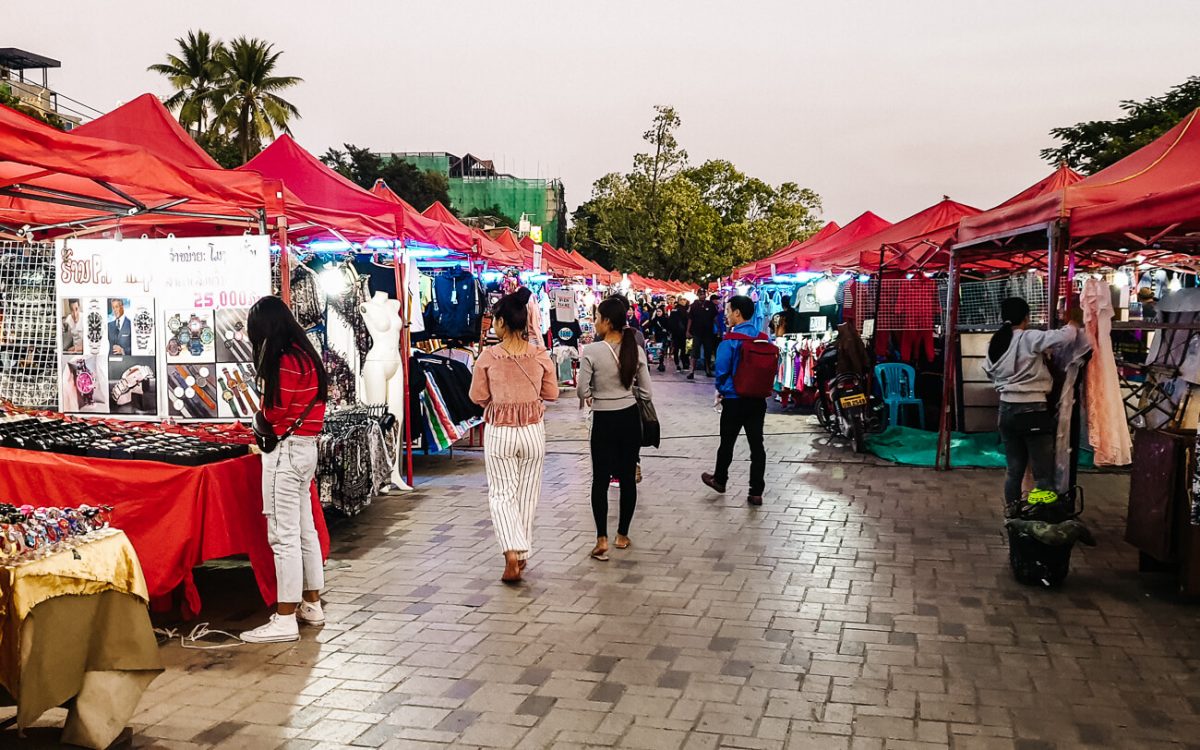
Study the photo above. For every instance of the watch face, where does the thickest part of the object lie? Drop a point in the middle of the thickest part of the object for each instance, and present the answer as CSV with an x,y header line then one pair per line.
x,y
84,383
173,348
143,323
94,327
183,337
206,336
195,324
196,347
174,324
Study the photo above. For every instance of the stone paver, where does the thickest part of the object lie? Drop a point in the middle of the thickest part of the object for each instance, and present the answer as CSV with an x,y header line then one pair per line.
x,y
863,606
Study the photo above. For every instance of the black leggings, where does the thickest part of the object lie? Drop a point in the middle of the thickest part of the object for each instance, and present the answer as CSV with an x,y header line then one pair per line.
x,y
616,442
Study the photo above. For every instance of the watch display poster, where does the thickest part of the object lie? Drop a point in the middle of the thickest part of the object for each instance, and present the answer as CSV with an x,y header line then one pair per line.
x,y
237,391
147,325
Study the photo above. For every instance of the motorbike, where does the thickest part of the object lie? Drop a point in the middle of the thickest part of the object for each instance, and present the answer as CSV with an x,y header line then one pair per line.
x,y
842,406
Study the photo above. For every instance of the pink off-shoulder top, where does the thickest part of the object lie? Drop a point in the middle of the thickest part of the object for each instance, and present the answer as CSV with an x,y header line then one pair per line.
x,y
511,388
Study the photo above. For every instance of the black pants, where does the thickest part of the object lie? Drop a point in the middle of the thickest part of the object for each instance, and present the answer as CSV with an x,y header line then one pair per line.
x,y
1022,450
679,350
738,414
703,349
616,442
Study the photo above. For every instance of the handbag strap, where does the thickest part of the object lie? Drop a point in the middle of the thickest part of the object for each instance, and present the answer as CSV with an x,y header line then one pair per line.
x,y
299,420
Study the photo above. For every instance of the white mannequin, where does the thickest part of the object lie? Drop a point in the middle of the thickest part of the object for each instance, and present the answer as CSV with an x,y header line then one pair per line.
x,y
383,375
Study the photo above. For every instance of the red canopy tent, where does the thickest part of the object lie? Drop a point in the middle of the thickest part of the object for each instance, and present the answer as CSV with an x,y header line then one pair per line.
x,y
382,190
50,177
1163,165
864,225
762,268
318,185
146,123
929,227
485,247
507,240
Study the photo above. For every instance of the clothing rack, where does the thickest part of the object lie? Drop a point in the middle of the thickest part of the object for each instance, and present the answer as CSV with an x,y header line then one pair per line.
x,y
353,456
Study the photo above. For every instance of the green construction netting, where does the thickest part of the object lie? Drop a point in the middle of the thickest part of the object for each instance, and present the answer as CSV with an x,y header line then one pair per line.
x,y
913,447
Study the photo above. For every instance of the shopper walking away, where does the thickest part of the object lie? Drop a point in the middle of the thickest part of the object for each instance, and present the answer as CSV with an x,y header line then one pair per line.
x,y
1017,368
739,412
510,381
294,387
613,376
677,325
702,318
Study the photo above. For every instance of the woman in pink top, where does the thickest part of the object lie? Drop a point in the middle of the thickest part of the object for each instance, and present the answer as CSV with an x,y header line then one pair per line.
x,y
510,381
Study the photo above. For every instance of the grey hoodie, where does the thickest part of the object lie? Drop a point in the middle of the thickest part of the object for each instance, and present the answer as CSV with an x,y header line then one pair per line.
x,y
1021,375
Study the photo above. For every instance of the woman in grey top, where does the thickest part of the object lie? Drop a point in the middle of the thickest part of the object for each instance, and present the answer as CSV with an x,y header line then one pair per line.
x,y
613,375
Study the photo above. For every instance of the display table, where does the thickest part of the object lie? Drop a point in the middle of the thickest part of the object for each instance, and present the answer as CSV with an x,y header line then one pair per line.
x,y
176,516
75,625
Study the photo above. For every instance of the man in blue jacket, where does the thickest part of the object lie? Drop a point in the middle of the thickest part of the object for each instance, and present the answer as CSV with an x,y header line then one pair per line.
x,y
737,413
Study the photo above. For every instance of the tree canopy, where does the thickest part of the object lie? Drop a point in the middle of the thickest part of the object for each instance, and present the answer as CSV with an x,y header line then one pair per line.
x,y
1091,146
674,221
359,165
228,95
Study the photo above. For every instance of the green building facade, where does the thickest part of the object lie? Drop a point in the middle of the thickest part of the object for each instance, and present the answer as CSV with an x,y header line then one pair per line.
x,y
476,185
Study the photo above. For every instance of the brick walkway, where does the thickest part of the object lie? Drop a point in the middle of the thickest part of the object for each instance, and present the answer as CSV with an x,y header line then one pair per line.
x,y
864,606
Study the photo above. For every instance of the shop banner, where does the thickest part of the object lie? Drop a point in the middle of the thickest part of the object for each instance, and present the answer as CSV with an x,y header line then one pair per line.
x,y
156,328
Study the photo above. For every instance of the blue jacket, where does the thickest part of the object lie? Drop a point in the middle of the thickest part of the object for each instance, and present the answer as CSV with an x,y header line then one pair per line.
x,y
727,356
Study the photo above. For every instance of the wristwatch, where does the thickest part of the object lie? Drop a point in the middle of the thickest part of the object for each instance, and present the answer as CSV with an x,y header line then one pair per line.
x,y
85,383
173,347
143,326
228,396
95,326
131,380
195,385
174,324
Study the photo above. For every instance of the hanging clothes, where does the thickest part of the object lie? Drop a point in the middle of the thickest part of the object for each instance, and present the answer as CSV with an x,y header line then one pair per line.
x,y
1108,431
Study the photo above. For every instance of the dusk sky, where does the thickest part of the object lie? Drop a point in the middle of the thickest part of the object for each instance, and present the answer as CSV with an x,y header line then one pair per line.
x,y
881,106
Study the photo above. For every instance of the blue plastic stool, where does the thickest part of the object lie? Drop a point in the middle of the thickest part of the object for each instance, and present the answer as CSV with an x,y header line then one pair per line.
x,y
898,386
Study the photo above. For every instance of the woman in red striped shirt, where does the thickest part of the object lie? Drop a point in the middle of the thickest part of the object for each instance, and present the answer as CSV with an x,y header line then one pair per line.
x,y
294,386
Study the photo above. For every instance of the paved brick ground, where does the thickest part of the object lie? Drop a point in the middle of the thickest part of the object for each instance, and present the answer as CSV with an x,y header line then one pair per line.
x,y
864,606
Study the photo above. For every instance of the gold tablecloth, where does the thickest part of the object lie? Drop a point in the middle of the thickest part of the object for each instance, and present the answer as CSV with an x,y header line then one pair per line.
x,y
75,625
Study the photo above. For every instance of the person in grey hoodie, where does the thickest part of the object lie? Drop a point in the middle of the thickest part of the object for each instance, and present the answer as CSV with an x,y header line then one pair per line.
x,y
1016,365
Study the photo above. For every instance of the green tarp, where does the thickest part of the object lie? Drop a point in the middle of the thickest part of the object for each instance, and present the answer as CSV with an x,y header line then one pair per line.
x,y
913,447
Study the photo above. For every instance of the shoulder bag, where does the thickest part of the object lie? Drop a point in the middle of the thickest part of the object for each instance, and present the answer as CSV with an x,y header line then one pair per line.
x,y
651,429
264,434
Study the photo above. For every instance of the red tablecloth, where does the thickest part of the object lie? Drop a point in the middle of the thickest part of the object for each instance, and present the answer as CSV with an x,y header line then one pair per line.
x,y
176,516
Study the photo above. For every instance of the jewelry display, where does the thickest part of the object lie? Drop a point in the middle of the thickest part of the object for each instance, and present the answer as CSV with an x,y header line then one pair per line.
x,y
106,440
29,533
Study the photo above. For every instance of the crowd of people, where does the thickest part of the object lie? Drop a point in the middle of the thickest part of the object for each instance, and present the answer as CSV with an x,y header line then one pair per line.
x,y
511,380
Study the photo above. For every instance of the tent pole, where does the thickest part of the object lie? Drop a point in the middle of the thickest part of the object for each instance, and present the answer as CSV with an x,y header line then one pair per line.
x,y
949,356
1056,244
878,302
399,265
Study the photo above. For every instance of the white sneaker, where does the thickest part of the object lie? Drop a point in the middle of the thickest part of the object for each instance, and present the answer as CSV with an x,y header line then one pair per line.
x,y
310,613
279,629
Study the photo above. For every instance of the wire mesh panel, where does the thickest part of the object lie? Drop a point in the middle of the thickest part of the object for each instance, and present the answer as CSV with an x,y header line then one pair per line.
x,y
916,304
28,325
979,301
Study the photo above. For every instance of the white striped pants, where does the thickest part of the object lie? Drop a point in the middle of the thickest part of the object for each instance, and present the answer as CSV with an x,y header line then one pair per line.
x,y
513,457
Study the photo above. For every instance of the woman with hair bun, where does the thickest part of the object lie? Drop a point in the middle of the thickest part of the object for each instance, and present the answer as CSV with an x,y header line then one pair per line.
x,y
510,382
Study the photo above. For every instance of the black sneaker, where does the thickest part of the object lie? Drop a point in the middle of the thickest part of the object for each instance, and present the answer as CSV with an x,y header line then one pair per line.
x,y
691,376
754,499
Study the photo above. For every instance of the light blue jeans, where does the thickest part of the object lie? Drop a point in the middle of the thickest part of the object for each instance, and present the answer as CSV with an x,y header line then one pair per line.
x,y
287,477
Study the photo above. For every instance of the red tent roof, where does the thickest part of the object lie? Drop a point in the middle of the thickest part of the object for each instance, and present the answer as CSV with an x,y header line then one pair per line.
x,y
931,226
863,226
506,239
1165,164
54,176
1058,180
316,184
382,190
762,267
1141,220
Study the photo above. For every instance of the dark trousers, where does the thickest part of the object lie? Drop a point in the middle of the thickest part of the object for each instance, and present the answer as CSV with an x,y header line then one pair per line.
x,y
737,415
1022,450
703,349
615,444
679,351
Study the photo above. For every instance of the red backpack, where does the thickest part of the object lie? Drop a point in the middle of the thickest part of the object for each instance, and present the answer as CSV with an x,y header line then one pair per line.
x,y
757,362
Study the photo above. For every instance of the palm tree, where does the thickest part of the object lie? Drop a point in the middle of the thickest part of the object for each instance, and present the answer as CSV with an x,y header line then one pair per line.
x,y
247,104
193,72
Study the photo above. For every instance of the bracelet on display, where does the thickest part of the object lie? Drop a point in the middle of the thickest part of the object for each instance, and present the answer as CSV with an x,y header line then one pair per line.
x,y
28,533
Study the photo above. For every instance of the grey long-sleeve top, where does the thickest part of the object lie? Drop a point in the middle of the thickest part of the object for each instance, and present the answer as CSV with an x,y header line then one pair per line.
x,y
600,380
